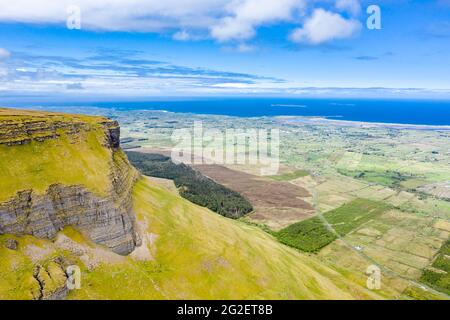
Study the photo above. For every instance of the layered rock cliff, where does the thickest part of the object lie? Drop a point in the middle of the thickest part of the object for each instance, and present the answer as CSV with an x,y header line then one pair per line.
x,y
77,190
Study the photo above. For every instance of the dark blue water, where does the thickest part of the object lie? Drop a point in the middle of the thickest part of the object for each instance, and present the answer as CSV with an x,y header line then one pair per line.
x,y
426,112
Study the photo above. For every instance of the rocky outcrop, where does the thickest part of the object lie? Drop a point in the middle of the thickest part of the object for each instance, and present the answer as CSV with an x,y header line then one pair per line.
x,y
107,220
13,132
24,128
44,215
11,244
113,133
50,282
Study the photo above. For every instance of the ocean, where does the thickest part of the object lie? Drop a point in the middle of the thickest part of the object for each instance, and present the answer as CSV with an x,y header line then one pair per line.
x,y
417,112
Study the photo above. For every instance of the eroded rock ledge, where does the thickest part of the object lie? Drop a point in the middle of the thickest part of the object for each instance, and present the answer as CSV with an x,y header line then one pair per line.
x,y
22,129
44,215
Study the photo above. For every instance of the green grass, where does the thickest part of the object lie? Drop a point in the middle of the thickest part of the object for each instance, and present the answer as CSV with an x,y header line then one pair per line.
x,y
201,255
417,293
70,159
17,284
386,178
312,235
290,175
352,215
17,268
197,254
439,276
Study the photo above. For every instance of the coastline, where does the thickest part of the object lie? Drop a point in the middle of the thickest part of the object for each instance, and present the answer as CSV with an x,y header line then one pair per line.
x,y
288,119
360,124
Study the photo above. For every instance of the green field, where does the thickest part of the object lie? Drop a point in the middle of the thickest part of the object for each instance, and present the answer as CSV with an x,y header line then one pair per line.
x,y
290,175
311,235
439,275
352,215
393,179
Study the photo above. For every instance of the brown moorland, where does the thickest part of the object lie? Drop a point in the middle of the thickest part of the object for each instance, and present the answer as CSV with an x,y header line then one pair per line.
x,y
277,203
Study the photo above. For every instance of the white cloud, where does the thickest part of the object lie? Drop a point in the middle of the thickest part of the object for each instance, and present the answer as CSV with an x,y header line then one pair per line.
x,y
4,54
233,29
117,15
222,20
225,19
351,6
245,48
246,15
182,35
325,26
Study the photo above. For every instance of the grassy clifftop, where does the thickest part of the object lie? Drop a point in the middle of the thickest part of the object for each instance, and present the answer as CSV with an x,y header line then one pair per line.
x,y
38,149
58,170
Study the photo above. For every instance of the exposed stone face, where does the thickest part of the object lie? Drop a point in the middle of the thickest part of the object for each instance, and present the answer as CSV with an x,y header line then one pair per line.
x,y
50,281
11,244
105,220
113,134
44,215
22,132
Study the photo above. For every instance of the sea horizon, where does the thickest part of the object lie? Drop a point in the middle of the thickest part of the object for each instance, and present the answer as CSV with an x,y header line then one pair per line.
x,y
418,112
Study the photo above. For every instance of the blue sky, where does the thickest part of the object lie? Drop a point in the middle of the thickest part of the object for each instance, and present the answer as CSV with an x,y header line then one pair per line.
x,y
296,48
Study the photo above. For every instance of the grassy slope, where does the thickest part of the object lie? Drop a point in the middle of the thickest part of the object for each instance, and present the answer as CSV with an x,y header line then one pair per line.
x,y
439,275
17,267
199,254
290,175
69,160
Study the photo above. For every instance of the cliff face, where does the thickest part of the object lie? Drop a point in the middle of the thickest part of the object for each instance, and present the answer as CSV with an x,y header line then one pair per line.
x,y
97,202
